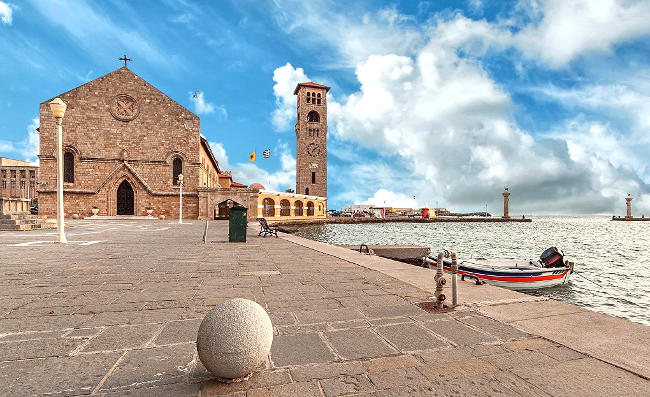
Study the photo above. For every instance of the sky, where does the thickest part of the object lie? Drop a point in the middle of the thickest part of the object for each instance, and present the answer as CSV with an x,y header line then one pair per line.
x,y
438,103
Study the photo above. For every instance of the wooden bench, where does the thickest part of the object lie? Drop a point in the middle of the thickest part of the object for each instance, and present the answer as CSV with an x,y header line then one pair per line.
x,y
266,229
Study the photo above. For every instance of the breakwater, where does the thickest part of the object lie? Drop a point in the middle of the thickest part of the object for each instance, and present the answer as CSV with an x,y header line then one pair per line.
x,y
399,219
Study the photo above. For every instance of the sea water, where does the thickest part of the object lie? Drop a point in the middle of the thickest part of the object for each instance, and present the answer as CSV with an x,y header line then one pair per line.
x,y
612,259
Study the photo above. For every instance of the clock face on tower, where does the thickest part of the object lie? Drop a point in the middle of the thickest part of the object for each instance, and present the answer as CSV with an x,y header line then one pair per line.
x,y
313,149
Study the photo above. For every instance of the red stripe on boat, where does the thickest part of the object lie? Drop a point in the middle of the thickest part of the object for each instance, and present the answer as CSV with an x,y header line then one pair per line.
x,y
513,279
516,279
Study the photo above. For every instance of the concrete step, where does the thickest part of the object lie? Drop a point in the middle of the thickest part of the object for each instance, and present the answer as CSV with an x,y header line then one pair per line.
x,y
24,220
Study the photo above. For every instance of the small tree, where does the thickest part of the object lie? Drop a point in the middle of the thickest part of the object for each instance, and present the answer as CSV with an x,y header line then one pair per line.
x,y
289,191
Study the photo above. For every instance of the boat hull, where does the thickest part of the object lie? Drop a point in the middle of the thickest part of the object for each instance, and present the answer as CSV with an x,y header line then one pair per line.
x,y
519,278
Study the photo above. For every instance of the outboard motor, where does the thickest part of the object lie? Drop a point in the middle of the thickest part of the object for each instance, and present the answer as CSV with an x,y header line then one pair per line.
x,y
552,257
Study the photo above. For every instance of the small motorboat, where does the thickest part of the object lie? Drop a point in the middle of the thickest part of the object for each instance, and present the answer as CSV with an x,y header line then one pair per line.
x,y
550,270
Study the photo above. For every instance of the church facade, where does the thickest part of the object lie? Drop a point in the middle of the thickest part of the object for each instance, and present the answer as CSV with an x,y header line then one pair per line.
x,y
125,143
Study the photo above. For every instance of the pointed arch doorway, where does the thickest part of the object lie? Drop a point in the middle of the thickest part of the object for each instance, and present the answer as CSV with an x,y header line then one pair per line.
x,y
125,199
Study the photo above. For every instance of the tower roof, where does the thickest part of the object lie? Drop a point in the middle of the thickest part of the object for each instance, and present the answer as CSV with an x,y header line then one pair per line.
x,y
310,84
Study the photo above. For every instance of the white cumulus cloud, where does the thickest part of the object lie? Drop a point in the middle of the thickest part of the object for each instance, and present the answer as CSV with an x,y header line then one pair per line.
x,y
437,112
6,12
563,30
286,78
201,106
31,146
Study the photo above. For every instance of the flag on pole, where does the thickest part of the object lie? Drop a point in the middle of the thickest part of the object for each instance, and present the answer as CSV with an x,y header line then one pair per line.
x,y
266,153
251,157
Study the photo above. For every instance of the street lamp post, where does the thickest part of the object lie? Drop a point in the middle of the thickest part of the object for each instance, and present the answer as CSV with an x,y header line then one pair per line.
x,y
57,106
180,205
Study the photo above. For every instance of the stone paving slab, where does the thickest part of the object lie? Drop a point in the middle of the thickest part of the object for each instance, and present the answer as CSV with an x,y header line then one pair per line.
x,y
300,349
126,313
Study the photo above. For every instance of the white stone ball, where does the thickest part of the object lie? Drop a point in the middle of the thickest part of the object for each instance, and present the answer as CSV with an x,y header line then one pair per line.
x,y
161,217
234,338
75,216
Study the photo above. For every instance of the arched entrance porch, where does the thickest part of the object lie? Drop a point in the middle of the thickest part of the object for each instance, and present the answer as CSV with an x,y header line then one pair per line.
x,y
125,199
222,211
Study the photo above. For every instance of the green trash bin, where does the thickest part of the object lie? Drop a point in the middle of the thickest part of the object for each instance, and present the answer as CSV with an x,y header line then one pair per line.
x,y
237,224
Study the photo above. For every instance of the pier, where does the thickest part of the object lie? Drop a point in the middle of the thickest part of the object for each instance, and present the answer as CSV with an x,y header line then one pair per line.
x,y
628,216
116,311
352,220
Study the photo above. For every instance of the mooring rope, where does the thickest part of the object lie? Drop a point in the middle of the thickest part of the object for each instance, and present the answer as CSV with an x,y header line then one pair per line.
x,y
588,279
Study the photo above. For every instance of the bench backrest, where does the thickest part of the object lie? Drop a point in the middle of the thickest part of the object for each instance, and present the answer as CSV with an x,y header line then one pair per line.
x,y
263,223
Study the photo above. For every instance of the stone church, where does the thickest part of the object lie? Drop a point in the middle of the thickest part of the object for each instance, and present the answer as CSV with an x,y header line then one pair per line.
x,y
125,143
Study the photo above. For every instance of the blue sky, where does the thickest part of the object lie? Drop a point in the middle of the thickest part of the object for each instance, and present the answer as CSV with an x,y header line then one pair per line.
x,y
445,101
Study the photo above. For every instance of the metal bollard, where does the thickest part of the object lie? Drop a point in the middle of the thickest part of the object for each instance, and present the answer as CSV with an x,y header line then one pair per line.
x,y
440,282
454,280
205,233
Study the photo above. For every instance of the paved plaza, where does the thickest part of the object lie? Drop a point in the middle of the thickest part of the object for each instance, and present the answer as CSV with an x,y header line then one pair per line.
x,y
116,312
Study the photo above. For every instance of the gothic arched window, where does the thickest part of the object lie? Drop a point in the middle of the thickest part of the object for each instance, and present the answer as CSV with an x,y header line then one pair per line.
x,y
68,167
177,169
313,117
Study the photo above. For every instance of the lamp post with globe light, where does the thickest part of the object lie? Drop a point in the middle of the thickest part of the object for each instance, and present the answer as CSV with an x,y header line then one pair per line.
x,y
180,206
57,106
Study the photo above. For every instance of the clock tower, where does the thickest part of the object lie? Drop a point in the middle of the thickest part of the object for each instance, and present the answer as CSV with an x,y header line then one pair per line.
x,y
311,139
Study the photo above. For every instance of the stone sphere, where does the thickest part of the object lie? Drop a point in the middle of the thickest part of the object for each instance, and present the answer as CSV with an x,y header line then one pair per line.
x,y
234,338
161,217
75,216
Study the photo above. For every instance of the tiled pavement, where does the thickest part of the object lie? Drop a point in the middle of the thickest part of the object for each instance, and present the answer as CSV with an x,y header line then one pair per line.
x,y
120,316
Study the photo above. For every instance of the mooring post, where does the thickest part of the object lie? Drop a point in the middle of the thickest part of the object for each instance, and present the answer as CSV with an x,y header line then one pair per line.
x,y
454,280
205,232
440,282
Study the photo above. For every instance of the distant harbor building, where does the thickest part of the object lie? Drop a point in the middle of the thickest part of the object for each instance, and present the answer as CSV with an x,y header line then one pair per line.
x,y
17,178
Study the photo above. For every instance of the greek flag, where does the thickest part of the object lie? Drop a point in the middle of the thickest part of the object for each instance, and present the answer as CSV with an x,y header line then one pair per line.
x,y
266,153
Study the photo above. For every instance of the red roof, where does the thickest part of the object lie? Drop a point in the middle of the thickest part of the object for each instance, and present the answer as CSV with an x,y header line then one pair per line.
x,y
310,84
235,184
225,176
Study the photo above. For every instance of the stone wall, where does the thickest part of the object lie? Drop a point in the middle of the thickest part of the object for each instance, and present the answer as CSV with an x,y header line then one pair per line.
x,y
209,199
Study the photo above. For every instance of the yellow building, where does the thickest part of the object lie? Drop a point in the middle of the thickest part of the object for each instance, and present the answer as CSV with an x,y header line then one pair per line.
x,y
284,206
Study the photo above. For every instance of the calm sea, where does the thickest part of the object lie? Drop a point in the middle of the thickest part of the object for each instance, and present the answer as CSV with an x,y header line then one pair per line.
x,y
612,259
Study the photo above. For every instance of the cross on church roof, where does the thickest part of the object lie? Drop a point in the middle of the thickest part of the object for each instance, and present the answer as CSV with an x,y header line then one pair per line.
x,y
125,59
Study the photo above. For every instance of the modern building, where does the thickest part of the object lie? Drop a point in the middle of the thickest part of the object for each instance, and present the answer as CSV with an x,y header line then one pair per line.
x,y
17,179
